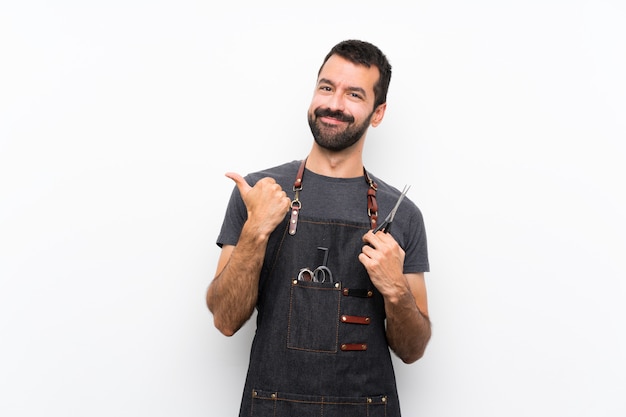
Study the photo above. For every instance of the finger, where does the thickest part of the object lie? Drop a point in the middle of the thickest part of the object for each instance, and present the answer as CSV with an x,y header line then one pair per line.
x,y
241,183
370,238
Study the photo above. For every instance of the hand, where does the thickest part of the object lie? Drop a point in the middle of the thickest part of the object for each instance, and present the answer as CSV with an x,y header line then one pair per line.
x,y
266,202
384,260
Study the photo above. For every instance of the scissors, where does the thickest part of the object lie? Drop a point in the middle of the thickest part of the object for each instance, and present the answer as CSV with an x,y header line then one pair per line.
x,y
319,274
386,224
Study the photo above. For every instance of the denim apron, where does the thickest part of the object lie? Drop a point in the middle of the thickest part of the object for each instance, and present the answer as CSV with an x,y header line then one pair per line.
x,y
320,347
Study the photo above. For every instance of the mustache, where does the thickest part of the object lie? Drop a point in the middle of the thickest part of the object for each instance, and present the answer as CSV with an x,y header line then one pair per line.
x,y
339,115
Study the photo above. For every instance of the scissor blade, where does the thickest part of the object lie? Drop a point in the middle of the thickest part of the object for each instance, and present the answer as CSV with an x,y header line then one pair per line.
x,y
395,208
385,224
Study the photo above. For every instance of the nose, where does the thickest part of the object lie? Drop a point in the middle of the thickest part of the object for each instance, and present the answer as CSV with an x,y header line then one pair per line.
x,y
336,102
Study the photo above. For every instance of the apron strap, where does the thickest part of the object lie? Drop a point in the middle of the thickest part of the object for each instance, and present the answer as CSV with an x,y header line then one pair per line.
x,y
296,205
372,205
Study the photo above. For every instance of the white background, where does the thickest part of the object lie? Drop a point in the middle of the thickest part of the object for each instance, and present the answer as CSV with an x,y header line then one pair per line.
x,y
118,120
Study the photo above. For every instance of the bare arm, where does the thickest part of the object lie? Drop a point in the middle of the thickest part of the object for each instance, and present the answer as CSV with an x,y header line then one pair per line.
x,y
406,306
233,293
408,325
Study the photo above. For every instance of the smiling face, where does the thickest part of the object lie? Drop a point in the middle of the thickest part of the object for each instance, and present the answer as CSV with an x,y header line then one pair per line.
x,y
343,104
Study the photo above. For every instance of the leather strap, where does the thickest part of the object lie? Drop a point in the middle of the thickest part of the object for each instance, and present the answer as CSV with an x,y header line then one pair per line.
x,y
353,346
296,205
297,185
355,319
372,205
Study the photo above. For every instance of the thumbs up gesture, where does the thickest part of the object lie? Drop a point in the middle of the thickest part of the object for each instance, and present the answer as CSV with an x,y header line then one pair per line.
x,y
266,202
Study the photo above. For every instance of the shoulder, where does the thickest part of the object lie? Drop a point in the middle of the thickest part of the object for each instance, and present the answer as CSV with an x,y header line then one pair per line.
x,y
387,195
408,220
284,174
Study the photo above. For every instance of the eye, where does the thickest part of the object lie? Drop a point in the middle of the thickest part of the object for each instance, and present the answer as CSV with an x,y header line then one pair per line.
x,y
355,96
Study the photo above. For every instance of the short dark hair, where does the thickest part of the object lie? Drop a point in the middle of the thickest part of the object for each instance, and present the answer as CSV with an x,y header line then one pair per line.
x,y
367,54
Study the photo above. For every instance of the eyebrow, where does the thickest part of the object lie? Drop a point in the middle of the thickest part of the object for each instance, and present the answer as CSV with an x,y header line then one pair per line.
x,y
354,89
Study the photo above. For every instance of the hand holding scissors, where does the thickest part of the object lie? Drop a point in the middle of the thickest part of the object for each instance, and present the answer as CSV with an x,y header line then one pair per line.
x,y
382,256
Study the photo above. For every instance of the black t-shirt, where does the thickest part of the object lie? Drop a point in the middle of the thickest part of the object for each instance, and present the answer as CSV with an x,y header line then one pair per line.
x,y
338,199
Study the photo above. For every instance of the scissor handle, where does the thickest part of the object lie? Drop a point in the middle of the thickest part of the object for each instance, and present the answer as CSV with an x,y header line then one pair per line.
x,y
321,273
305,274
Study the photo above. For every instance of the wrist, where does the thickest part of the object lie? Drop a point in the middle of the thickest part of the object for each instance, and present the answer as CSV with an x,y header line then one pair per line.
x,y
256,231
398,295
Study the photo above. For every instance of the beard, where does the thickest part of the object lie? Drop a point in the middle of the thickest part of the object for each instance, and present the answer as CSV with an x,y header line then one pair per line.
x,y
336,138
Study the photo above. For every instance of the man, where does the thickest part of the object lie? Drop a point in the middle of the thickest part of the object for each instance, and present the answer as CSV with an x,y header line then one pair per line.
x,y
298,245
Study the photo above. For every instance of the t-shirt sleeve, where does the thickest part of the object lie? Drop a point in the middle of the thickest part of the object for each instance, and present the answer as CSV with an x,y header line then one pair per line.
x,y
236,215
416,251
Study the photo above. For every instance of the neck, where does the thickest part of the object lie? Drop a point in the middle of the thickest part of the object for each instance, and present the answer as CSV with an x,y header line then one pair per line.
x,y
345,164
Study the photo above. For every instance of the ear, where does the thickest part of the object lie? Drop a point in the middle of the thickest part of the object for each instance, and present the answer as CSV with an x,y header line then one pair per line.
x,y
378,115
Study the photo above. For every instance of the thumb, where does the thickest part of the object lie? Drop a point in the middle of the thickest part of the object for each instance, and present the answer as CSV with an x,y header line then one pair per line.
x,y
241,183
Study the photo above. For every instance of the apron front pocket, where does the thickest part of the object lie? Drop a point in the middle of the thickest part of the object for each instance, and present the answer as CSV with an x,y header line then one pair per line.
x,y
314,310
281,404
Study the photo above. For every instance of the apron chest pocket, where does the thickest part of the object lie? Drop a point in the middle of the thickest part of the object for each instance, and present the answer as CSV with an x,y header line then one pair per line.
x,y
314,309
